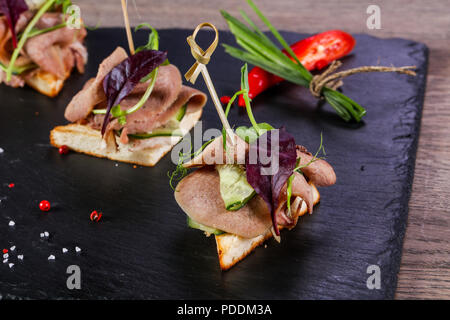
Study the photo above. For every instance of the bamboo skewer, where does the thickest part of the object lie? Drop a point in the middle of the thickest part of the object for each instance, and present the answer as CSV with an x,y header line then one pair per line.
x,y
127,26
216,101
202,58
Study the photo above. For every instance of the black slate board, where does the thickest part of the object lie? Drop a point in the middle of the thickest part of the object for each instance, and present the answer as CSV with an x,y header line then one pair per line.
x,y
142,247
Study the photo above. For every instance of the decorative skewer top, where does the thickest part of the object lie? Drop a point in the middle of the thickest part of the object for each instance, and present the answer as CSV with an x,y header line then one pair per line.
x,y
202,57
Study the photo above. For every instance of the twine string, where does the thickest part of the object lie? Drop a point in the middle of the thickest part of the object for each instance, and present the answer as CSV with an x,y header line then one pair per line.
x,y
333,80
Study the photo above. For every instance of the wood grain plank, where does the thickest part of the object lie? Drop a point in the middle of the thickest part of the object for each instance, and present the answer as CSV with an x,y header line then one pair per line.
x,y
425,269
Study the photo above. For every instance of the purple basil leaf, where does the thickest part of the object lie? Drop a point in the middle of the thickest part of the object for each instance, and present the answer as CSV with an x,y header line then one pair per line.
x,y
12,9
269,187
121,80
287,161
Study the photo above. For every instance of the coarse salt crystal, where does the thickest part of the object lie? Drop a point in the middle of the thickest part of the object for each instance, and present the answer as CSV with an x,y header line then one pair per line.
x,y
11,265
42,235
5,261
12,248
51,257
77,249
20,257
12,223
1,150
46,233
64,250
6,256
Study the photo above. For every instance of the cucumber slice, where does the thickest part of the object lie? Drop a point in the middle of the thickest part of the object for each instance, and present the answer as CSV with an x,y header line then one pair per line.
x,y
157,133
180,114
171,130
249,134
234,188
195,225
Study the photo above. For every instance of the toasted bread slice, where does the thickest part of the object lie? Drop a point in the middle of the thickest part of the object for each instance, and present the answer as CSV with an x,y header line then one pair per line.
x,y
84,139
232,248
46,83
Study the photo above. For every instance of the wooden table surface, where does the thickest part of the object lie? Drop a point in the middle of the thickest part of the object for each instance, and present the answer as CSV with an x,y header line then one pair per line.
x,y
425,268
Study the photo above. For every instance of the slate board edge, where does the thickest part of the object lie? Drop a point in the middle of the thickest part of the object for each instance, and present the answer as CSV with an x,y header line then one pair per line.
x,y
411,153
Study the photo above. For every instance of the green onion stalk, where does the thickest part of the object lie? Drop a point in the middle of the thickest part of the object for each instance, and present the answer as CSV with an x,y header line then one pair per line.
x,y
259,50
37,32
258,128
18,70
245,86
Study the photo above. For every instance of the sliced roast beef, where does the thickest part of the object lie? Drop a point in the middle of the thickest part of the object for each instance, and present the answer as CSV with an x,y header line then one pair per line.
x,y
281,211
92,94
167,97
49,19
144,121
56,52
15,81
6,47
301,188
51,50
319,171
215,154
80,54
192,98
165,92
198,195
